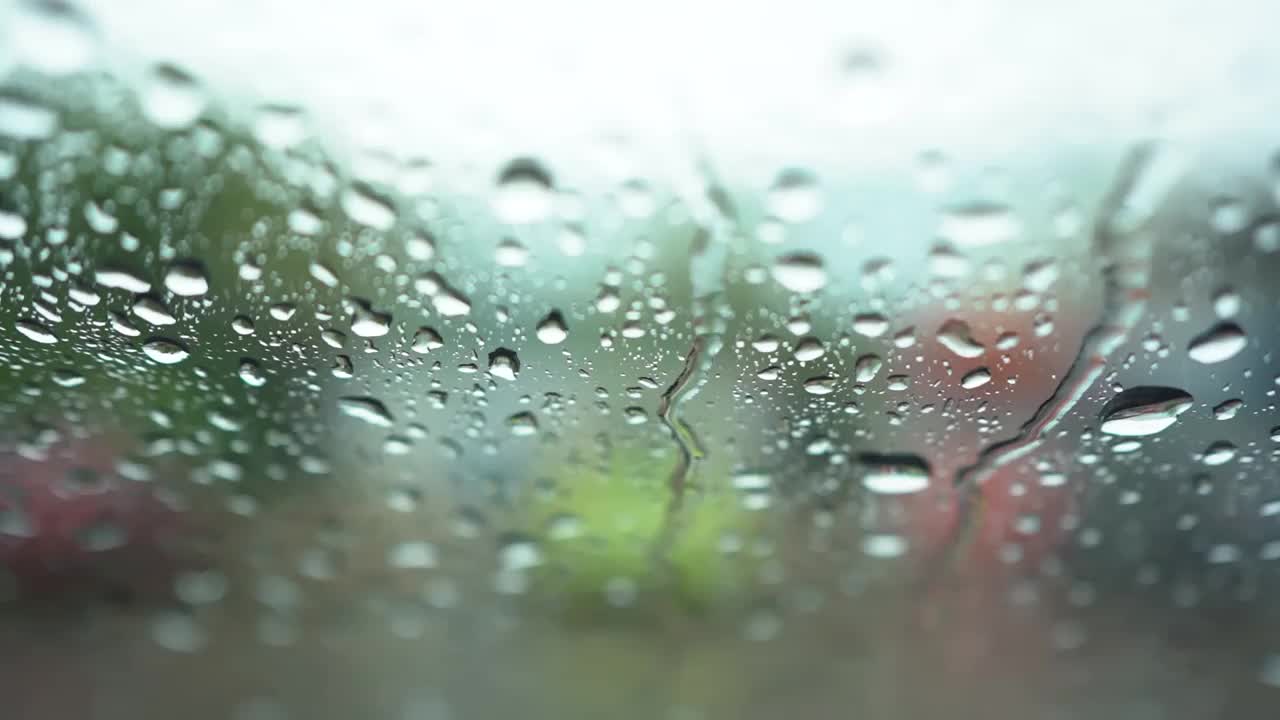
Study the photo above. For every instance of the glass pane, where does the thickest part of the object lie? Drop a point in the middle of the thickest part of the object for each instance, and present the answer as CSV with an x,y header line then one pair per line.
x,y
563,360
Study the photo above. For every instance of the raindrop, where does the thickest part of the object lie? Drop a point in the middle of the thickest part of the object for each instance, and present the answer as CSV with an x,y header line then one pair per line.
x,y
524,192
1226,303
187,278
975,379
504,364
369,323
51,37
1144,410
870,325
425,340
1219,343
242,325
121,280
172,98
323,274
766,343
36,332
551,330
165,351
979,225
368,409
809,349
894,474
450,302
1219,453
821,385
795,195
283,312
523,424
867,367
511,254
956,336
801,272
251,373
153,311
367,208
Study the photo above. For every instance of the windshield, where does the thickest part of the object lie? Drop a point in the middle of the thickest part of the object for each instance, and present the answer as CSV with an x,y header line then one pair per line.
x,y
680,363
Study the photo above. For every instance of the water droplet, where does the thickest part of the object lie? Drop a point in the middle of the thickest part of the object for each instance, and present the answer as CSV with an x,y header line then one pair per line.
x,y
323,274
251,373
1219,453
420,246
524,192
821,385
368,409
801,272
766,343
552,330
153,311
523,424
956,336
871,325
366,207
172,98
165,351
511,254
867,367
121,280
425,340
187,278
975,379
1227,409
979,225
795,195
451,303
369,323
809,349
1226,303
894,474
1144,410
36,332
1219,343
51,37
883,545
283,312
504,364
242,325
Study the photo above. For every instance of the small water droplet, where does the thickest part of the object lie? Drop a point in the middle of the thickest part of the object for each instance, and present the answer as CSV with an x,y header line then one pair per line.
x,y
36,332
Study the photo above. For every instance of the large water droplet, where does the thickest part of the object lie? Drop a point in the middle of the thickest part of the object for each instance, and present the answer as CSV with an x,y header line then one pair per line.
x,y
894,474
795,195
1219,343
1144,410
801,272
187,278
524,192
172,98
165,351
552,329
504,364
370,410
956,336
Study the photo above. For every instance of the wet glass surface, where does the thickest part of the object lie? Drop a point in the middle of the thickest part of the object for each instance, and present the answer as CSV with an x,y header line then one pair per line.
x,y
425,363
